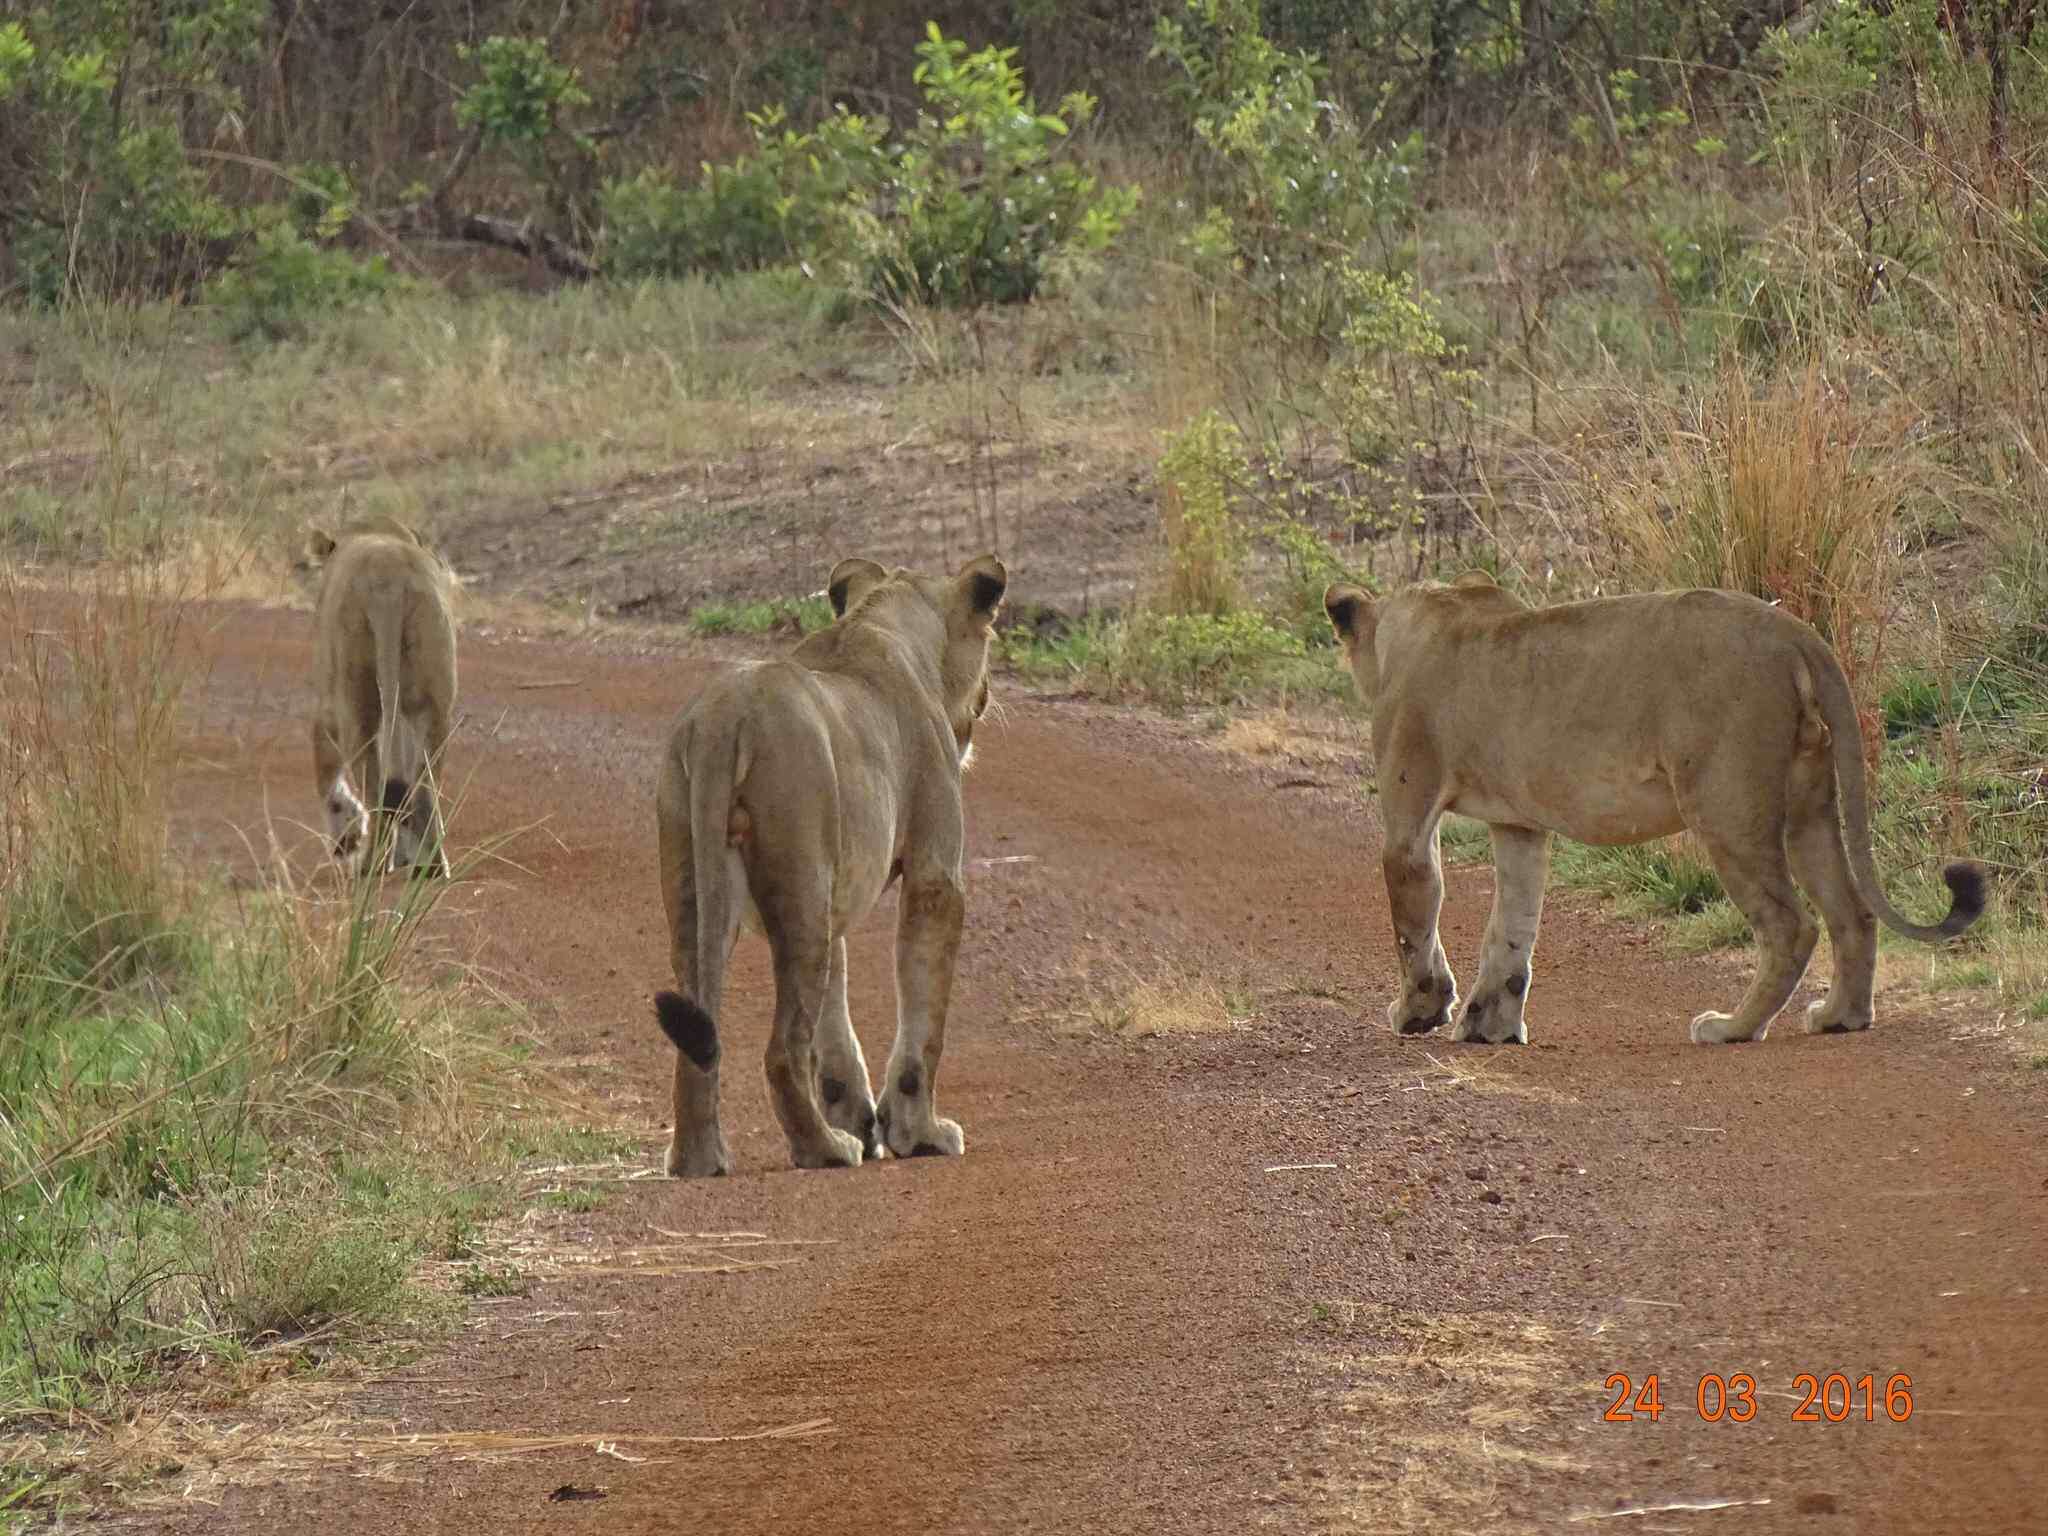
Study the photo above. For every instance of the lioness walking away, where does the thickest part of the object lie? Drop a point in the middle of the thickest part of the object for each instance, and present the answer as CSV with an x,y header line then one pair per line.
x,y
792,794
1617,721
384,662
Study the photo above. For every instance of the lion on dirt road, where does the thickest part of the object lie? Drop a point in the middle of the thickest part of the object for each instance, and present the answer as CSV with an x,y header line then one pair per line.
x,y
384,665
1614,721
792,794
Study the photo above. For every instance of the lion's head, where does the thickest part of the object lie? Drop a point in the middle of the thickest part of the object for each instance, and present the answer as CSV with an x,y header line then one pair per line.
x,y
962,607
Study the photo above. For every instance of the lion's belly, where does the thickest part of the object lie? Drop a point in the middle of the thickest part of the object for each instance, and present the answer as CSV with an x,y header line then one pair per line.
x,y
1620,805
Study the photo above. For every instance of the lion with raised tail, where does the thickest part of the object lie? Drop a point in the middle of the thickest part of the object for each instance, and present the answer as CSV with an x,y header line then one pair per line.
x,y
1615,721
792,793
384,665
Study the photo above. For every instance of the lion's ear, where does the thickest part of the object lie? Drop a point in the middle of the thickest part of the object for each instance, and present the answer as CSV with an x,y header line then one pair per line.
x,y
319,544
984,580
850,581
1475,578
1350,610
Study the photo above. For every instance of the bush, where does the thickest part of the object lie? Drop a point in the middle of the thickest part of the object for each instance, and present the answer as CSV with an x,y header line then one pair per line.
x,y
981,204
282,277
788,200
101,194
1176,657
975,205
1295,190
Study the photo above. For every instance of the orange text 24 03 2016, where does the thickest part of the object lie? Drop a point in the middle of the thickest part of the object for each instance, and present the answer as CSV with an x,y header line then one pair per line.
x,y
1834,1397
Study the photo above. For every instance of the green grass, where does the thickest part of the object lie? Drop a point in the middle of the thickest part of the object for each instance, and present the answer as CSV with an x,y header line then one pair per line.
x,y
1180,661
805,615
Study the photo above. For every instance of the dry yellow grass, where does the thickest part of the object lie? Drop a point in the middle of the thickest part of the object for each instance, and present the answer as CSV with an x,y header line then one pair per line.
x,y
1441,1418
1111,997
1302,740
1787,492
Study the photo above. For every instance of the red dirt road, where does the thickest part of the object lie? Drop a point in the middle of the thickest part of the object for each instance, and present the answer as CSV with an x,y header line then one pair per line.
x,y
1122,1311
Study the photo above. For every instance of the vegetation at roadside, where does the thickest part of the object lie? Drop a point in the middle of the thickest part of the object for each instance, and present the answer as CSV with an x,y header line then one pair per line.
x,y
1748,295
230,1127
800,615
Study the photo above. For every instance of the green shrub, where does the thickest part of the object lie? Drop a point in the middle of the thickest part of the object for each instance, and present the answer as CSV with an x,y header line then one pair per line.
x,y
978,203
282,277
981,201
1179,657
1293,186
788,200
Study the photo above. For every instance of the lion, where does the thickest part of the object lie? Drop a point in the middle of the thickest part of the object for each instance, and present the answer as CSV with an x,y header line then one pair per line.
x,y
1615,721
792,793
384,665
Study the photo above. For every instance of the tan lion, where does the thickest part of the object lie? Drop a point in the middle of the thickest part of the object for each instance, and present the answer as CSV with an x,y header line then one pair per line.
x,y
384,664
792,794
1616,721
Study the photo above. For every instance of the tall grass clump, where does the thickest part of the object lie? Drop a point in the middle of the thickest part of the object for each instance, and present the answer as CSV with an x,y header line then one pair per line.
x,y
1201,477
1787,493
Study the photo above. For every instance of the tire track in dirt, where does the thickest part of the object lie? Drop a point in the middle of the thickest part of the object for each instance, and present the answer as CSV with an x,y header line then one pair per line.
x,y
1110,1316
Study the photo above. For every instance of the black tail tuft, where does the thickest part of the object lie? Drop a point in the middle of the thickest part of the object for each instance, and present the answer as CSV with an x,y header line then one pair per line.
x,y
1966,896
689,1028
394,794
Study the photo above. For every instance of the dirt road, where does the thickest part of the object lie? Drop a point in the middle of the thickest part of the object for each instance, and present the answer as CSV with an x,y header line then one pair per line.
x,y
1129,1308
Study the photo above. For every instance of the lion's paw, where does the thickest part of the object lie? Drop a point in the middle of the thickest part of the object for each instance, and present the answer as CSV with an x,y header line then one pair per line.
x,y
941,1138
1418,1016
1819,1021
1492,1018
852,1110
704,1158
1712,1028
923,1135
839,1150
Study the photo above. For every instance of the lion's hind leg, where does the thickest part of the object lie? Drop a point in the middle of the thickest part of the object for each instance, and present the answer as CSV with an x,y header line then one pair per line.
x,y
928,928
1760,883
1494,1016
843,1087
1821,863
797,917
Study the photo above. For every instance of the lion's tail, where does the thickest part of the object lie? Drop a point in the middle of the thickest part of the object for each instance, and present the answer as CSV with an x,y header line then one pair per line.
x,y
1965,879
691,1023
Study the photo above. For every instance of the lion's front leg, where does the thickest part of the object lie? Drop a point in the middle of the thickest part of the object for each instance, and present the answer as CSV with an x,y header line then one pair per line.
x,y
927,944
1415,892
1494,1016
843,1089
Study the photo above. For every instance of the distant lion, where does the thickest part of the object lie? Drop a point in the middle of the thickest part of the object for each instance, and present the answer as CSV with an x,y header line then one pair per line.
x,y
384,665
792,794
1617,721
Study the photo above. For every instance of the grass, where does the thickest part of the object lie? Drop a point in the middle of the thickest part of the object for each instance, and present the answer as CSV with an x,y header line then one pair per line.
x,y
804,615
1439,1420
1120,1000
1181,661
